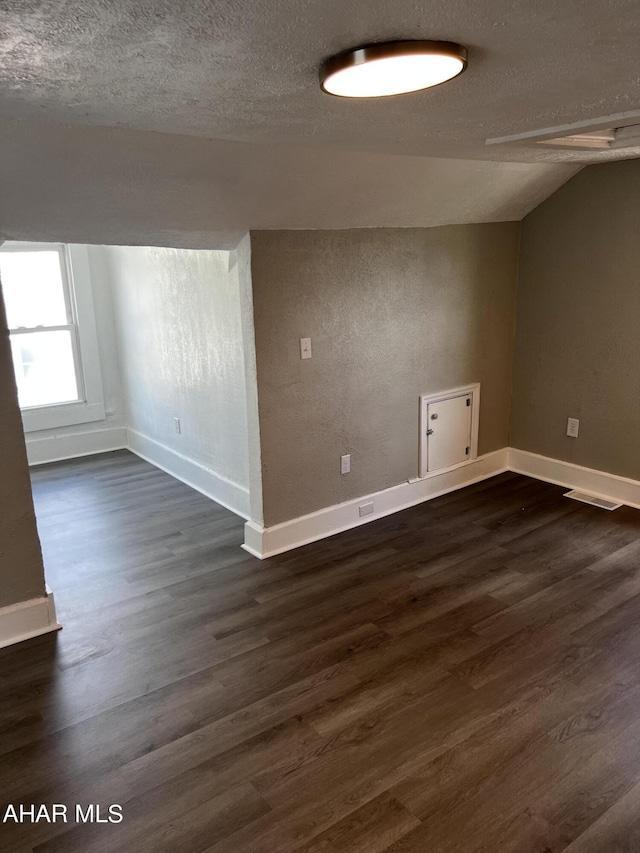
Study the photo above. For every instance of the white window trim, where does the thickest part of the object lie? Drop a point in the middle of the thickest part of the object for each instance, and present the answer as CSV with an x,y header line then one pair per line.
x,y
91,405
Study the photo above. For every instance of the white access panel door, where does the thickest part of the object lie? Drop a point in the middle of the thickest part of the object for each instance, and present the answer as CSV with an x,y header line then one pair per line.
x,y
448,432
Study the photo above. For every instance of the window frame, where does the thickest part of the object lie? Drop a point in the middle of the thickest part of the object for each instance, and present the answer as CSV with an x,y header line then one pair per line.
x,y
76,280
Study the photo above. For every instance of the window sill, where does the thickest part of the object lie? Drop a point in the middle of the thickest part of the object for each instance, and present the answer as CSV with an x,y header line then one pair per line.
x,y
67,414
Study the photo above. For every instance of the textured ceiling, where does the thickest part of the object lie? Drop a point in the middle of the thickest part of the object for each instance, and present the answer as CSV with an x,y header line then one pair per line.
x,y
236,72
247,69
111,185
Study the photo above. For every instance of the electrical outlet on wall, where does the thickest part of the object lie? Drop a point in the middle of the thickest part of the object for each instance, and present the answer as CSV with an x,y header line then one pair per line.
x,y
177,426
305,347
345,464
573,425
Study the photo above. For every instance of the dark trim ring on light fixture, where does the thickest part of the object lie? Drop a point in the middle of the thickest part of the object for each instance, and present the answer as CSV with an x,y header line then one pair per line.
x,y
385,55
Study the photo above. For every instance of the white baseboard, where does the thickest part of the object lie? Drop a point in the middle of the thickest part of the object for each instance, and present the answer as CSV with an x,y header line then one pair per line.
x,y
28,619
267,542
599,483
225,492
54,448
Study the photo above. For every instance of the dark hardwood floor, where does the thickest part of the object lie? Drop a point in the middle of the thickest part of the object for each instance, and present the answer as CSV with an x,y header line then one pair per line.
x,y
462,676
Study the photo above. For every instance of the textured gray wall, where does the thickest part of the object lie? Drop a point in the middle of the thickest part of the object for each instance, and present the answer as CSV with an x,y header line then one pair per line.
x,y
245,289
578,329
21,570
392,313
181,354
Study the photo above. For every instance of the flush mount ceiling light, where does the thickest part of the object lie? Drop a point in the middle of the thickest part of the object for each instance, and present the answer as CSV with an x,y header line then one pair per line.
x,y
392,68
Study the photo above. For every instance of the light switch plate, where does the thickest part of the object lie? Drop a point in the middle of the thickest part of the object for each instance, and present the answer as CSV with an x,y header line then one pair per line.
x,y
305,347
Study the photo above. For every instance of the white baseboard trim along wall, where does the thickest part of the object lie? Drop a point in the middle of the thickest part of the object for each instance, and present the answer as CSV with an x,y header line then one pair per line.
x,y
28,619
221,490
598,483
265,542
54,448
37,616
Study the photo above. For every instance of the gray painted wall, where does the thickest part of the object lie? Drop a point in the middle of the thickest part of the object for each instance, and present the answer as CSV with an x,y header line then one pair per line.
x,y
181,353
392,313
242,258
578,330
21,569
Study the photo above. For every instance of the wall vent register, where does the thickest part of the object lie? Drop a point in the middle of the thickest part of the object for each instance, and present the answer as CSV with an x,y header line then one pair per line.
x,y
594,500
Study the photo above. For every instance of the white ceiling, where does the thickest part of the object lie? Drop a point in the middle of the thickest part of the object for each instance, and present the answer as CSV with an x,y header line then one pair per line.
x,y
246,72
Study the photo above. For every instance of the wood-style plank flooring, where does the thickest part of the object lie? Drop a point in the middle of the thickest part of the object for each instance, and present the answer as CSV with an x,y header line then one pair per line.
x,y
462,676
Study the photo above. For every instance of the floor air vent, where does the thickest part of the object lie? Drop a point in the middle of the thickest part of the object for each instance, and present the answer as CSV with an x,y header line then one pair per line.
x,y
584,498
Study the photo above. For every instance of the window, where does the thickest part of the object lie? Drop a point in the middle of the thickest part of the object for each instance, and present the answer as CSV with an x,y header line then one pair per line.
x,y
47,295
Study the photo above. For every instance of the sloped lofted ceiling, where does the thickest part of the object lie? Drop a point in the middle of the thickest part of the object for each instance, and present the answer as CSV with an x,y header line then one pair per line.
x,y
191,122
101,185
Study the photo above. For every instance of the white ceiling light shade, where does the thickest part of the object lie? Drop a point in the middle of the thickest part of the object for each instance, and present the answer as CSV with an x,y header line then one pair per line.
x,y
392,68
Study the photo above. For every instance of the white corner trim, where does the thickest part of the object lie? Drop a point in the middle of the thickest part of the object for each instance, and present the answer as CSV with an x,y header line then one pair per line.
x,y
267,542
221,490
28,619
54,448
598,483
